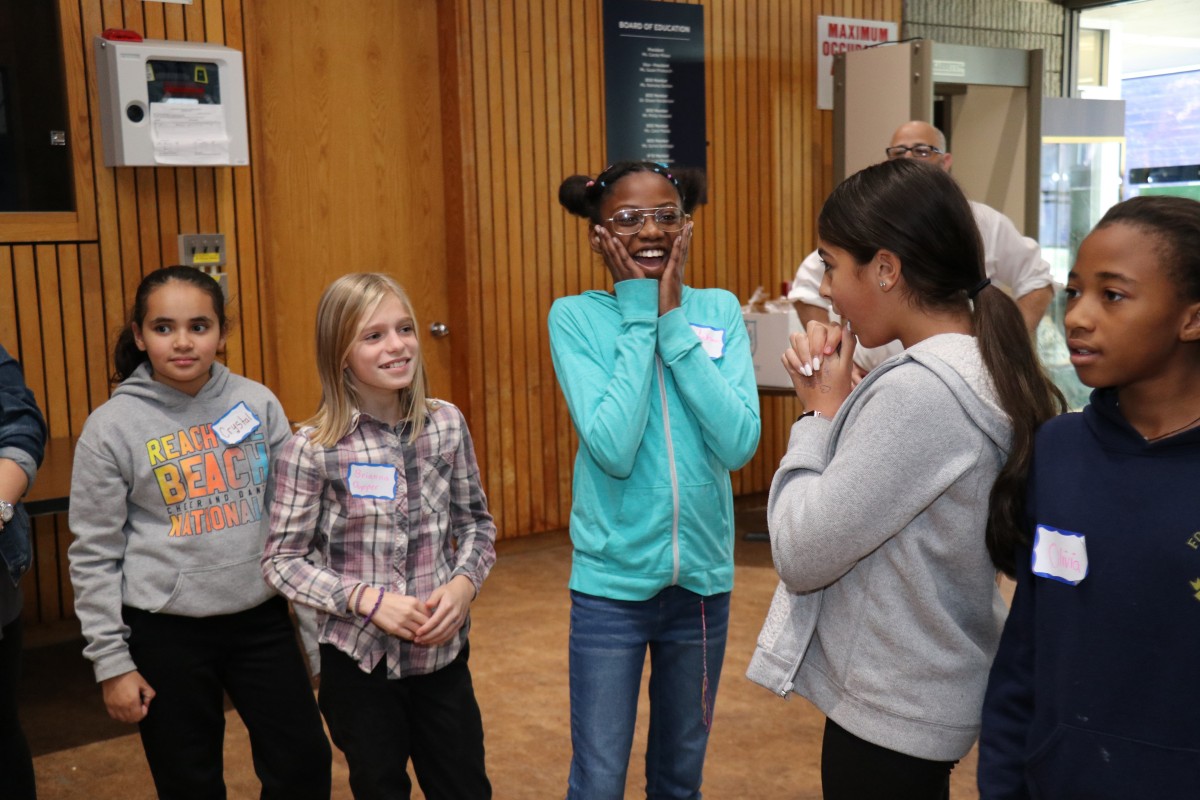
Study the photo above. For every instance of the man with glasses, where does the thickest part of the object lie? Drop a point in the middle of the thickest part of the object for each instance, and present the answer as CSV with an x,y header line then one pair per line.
x,y
1010,259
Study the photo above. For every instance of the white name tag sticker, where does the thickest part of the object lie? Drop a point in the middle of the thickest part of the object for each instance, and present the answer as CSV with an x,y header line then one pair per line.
x,y
372,480
713,340
236,424
1059,555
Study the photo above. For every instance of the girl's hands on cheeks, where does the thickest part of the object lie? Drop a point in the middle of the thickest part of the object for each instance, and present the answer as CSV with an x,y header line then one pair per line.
x,y
670,285
398,614
820,363
620,264
127,697
447,606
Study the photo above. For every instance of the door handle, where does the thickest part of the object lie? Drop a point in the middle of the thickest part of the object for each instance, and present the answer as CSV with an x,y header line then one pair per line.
x,y
439,329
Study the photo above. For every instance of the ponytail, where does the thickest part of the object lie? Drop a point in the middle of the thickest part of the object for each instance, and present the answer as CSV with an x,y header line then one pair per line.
x,y
1029,398
127,356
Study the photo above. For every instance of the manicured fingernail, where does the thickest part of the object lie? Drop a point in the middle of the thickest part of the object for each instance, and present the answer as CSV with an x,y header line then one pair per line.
x,y
816,363
808,370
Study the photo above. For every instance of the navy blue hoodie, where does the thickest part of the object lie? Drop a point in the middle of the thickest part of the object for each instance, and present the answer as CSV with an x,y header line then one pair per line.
x,y
1095,691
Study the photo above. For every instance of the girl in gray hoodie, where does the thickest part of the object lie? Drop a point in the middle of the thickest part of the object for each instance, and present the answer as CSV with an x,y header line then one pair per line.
x,y
167,498
882,511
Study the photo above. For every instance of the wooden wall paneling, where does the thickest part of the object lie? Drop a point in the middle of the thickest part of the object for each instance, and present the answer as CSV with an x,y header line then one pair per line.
x,y
235,204
255,318
75,68
214,20
539,231
522,158
132,17
206,200
74,343
166,251
484,89
186,211
565,241
9,336
462,218
227,224
551,258
29,328
110,297
154,20
508,275
193,22
95,327
173,23
510,301
54,405
44,577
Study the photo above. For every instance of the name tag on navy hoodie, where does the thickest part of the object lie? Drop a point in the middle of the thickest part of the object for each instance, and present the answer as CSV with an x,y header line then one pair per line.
x,y
1059,555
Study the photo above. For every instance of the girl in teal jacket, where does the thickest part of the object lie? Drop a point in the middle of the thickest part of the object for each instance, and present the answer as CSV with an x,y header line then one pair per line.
x,y
660,385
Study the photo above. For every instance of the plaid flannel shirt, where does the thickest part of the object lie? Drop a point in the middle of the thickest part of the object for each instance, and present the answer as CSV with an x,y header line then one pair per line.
x,y
325,539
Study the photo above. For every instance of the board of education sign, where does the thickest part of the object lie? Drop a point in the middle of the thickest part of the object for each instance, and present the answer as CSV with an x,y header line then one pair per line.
x,y
654,82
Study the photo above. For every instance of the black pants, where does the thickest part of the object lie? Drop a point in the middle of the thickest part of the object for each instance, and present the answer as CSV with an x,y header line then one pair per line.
x,y
252,655
854,769
380,723
16,766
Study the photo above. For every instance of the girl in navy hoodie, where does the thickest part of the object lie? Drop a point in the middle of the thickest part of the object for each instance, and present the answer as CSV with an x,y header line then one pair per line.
x,y
1093,693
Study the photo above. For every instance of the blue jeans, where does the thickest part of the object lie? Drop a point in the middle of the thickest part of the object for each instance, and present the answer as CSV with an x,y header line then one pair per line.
x,y
686,636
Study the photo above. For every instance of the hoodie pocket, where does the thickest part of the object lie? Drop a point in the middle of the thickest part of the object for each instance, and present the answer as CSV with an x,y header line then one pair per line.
x,y
1080,763
217,589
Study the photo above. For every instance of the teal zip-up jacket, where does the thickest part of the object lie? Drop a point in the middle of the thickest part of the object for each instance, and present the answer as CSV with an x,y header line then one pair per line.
x,y
665,407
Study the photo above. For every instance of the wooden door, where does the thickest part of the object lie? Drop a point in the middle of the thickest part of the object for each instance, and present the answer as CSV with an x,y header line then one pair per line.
x,y
345,114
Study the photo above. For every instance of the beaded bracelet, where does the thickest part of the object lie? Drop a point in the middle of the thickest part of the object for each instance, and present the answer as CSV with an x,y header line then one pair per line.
x,y
378,600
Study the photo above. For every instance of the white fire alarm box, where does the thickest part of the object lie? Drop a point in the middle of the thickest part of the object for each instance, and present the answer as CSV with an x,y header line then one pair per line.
x,y
165,103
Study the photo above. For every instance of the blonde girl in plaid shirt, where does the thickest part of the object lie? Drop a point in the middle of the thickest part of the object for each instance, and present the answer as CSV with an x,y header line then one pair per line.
x,y
379,522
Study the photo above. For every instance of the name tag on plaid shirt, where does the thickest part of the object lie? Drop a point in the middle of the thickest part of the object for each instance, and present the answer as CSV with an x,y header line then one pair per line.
x,y
372,480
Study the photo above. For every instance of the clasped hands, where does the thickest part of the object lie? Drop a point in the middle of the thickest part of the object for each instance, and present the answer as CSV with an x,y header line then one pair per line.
x,y
820,362
428,622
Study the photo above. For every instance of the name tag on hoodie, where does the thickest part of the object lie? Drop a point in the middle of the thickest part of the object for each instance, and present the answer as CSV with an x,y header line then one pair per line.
x,y
1059,555
713,340
372,480
236,424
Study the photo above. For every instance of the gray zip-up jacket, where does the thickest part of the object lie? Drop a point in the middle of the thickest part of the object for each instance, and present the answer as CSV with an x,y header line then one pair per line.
x,y
167,494
887,615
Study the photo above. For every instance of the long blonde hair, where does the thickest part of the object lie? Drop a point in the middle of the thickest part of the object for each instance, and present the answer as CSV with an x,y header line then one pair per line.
x,y
345,307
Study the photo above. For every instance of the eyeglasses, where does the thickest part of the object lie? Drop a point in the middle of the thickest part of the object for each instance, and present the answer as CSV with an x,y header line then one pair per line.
x,y
918,151
629,221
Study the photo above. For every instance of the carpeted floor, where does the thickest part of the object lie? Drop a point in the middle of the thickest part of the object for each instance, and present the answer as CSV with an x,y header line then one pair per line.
x,y
762,747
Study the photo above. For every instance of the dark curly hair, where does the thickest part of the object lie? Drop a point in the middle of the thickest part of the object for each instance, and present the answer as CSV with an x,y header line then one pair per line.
x,y
583,196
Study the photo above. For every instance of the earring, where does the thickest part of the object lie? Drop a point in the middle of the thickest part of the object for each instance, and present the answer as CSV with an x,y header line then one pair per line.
x,y
882,285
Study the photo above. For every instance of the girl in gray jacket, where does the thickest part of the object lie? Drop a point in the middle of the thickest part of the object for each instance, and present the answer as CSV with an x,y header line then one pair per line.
x,y
885,505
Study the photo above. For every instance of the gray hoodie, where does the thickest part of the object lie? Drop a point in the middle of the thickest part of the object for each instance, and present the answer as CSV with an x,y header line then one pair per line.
x,y
888,615
167,494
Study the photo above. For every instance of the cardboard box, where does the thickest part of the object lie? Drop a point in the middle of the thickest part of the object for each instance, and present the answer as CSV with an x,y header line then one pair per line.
x,y
769,334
